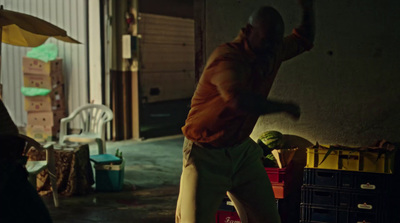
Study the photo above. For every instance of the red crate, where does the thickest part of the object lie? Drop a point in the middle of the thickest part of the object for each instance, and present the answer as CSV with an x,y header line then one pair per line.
x,y
279,191
276,175
227,217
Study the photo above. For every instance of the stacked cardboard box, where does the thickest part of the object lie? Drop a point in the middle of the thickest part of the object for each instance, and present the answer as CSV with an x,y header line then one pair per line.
x,y
44,112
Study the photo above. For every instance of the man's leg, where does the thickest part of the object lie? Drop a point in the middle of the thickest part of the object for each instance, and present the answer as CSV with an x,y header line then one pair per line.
x,y
204,182
252,191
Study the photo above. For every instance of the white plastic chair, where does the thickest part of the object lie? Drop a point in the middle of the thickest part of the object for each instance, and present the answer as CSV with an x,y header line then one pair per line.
x,y
93,118
35,167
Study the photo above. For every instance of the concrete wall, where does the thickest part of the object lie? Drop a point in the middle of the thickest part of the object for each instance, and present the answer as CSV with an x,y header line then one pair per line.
x,y
347,86
175,8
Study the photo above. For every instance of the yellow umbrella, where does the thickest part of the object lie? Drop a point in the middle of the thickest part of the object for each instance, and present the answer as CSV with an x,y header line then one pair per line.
x,y
20,29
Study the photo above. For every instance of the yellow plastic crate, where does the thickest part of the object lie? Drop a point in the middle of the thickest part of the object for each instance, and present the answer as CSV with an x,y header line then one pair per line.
x,y
352,160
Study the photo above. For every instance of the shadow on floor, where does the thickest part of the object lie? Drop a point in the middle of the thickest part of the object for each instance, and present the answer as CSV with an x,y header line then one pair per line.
x,y
151,187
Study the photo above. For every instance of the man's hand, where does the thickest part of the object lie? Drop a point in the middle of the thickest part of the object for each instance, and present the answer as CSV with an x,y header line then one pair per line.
x,y
258,104
307,26
293,110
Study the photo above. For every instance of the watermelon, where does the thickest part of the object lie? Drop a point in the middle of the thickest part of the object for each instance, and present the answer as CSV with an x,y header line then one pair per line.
x,y
272,139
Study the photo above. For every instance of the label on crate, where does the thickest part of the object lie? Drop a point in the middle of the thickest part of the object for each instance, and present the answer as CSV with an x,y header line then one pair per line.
x,y
229,220
368,186
365,206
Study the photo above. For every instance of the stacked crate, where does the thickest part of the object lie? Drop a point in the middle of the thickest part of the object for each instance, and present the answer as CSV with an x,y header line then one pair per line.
x,y
343,186
44,112
277,177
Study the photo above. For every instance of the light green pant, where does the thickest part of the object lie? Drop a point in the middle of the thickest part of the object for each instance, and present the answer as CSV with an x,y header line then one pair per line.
x,y
209,174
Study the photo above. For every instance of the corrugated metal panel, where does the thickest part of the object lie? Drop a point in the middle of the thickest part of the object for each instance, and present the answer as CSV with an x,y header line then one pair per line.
x,y
69,15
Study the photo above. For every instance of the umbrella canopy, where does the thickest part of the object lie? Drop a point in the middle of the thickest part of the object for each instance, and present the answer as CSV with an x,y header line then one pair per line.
x,y
20,29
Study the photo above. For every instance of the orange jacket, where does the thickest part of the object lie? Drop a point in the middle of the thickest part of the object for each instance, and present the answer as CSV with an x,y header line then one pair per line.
x,y
232,67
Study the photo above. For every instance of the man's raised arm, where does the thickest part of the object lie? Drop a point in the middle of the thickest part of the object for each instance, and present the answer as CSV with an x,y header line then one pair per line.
x,y
307,26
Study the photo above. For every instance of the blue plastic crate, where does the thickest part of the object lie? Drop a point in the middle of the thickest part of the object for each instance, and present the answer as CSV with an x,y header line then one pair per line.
x,y
310,213
341,198
352,180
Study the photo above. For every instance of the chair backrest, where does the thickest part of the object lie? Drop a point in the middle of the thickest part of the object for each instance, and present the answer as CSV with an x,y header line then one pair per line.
x,y
30,143
93,116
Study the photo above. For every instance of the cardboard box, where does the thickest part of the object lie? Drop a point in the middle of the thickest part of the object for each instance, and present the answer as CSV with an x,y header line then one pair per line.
x,y
42,133
35,66
43,81
109,177
53,101
283,157
51,118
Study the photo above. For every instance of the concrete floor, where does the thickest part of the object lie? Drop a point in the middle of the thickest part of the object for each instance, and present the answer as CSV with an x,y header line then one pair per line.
x,y
151,186
150,189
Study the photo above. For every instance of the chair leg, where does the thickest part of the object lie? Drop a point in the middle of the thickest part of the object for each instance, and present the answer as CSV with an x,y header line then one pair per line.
x,y
101,146
53,182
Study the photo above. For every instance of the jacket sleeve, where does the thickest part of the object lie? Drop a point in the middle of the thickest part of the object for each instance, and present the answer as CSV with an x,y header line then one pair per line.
x,y
293,45
227,76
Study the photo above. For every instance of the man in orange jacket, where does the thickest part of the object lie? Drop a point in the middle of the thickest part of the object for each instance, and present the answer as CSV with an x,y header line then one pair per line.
x,y
219,155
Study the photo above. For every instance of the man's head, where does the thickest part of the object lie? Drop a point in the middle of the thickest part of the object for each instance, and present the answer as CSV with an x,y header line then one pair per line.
x,y
264,31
